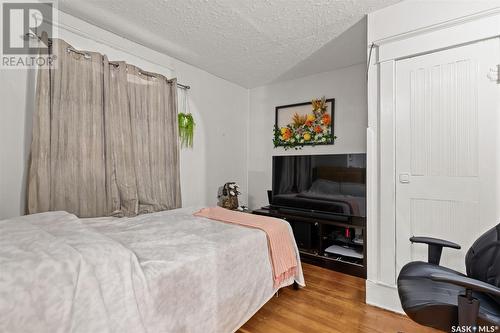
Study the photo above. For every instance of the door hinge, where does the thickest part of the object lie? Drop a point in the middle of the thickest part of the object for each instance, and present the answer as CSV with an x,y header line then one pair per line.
x,y
494,74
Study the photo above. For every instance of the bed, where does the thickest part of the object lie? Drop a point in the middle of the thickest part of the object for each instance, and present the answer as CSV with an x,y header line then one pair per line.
x,y
161,272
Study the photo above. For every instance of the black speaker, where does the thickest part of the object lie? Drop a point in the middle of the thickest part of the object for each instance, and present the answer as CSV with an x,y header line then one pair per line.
x,y
270,196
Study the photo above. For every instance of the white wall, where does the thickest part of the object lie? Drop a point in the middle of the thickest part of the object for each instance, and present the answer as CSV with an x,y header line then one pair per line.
x,y
405,29
220,109
346,85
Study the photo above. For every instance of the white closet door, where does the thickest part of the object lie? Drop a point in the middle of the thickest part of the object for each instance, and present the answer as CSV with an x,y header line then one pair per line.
x,y
447,149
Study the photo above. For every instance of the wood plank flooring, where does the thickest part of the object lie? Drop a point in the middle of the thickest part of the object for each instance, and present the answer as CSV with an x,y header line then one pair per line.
x,y
331,302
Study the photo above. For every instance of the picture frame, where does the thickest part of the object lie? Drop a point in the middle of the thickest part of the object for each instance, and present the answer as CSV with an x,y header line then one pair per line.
x,y
305,124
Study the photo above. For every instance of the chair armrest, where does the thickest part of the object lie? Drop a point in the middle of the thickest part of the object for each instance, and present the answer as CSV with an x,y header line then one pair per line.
x,y
435,247
468,305
467,283
435,241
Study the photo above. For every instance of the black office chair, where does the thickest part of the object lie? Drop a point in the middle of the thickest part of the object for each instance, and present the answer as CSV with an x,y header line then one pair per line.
x,y
440,297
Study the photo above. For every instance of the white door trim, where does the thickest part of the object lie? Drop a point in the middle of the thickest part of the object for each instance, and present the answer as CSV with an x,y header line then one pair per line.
x,y
447,37
439,26
387,165
380,146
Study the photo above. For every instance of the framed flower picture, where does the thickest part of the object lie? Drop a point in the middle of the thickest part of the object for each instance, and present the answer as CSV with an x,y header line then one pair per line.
x,y
302,124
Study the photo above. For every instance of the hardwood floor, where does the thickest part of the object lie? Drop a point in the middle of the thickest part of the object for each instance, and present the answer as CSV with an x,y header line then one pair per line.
x,y
331,302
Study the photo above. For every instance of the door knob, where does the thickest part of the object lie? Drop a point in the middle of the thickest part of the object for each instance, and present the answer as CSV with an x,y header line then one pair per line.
x,y
404,178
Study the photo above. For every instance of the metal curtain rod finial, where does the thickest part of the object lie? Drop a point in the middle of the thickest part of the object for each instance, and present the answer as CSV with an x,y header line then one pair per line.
x,y
182,86
87,56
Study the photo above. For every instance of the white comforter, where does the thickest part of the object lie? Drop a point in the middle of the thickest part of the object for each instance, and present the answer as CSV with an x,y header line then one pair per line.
x,y
161,272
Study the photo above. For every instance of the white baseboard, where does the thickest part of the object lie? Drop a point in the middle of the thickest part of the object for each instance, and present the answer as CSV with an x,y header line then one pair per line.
x,y
383,296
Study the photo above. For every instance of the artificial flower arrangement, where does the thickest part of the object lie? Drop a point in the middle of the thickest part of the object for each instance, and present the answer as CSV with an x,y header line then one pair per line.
x,y
309,129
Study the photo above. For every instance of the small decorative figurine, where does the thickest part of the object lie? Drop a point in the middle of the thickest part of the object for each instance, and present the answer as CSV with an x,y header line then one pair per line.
x,y
228,196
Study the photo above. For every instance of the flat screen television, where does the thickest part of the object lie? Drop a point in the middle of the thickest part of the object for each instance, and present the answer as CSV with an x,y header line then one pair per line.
x,y
325,184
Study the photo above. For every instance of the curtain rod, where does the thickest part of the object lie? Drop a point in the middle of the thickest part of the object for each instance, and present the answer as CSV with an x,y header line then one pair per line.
x,y
87,56
183,86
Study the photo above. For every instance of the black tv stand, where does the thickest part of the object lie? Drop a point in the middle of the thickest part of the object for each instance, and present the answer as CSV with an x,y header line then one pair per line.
x,y
314,233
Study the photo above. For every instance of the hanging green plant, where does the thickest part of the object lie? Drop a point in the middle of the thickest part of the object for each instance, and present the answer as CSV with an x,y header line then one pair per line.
x,y
186,129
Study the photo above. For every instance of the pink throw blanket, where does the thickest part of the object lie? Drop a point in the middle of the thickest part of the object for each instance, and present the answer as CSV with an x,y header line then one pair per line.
x,y
281,249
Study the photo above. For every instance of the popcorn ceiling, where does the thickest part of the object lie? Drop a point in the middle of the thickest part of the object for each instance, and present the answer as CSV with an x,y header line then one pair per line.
x,y
248,42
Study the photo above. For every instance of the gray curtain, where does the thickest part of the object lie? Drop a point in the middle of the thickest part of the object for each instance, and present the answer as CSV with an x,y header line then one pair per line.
x,y
153,113
104,138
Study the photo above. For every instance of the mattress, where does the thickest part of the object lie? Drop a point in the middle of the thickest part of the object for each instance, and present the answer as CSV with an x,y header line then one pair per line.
x,y
160,272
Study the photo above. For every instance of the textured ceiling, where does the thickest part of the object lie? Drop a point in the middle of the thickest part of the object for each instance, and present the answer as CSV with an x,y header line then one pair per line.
x,y
247,42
